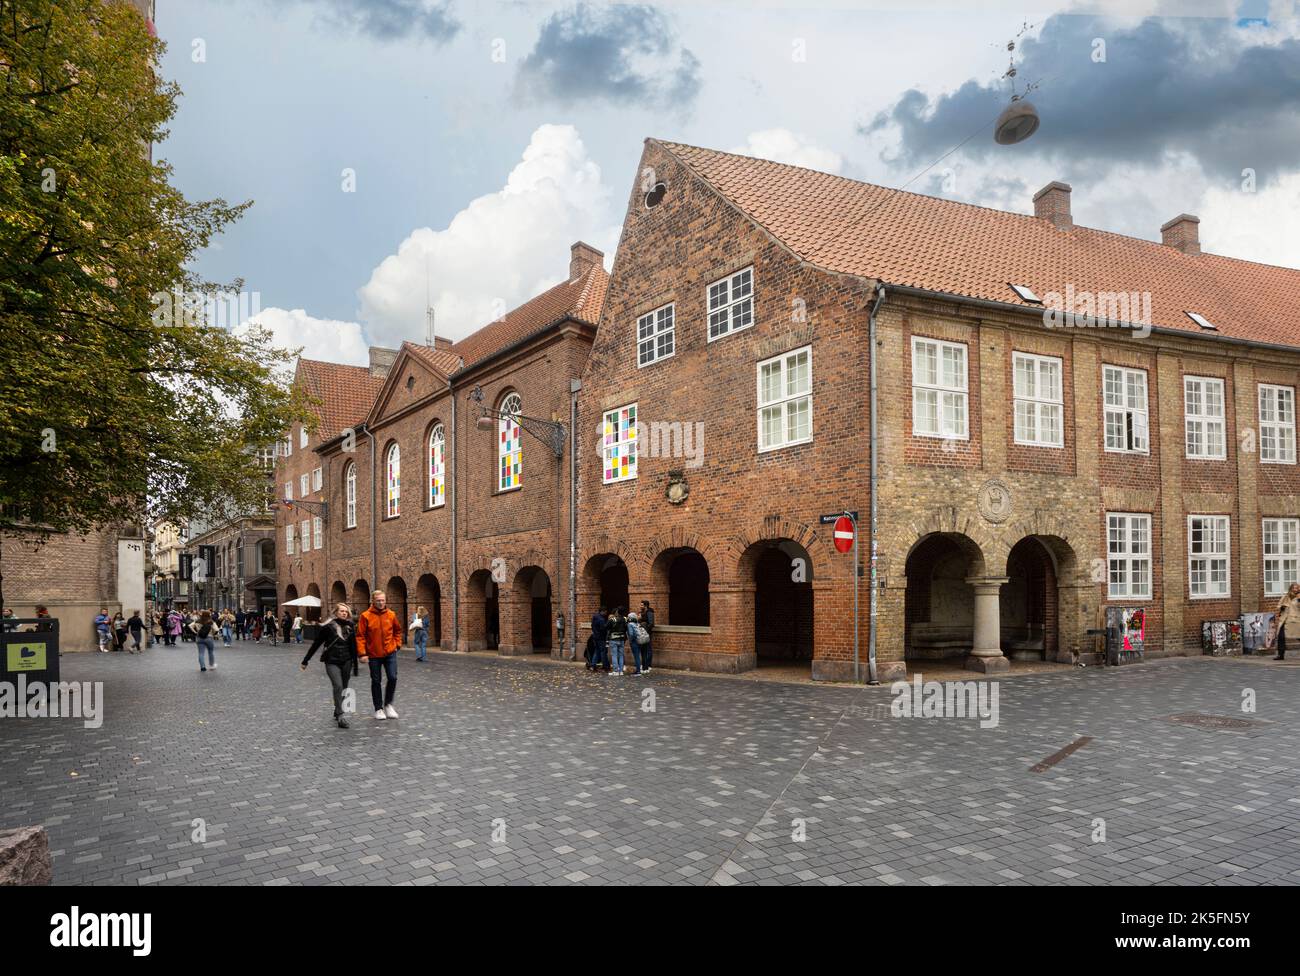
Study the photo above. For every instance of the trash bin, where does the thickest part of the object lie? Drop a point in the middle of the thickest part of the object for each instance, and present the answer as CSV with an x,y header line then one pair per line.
x,y
30,649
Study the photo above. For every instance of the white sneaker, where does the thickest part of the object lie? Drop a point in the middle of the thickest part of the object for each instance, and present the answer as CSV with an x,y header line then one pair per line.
x,y
212,666
390,711
379,714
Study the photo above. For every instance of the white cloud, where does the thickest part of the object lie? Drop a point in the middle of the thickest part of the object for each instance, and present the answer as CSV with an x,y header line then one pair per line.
x,y
499,251
784,146
326,339
1257,226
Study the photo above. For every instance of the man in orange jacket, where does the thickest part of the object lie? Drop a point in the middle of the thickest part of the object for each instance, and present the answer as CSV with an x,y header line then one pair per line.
x,y
379,637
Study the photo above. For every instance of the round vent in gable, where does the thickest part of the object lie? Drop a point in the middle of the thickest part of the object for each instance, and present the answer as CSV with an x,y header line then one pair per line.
x,y
655,196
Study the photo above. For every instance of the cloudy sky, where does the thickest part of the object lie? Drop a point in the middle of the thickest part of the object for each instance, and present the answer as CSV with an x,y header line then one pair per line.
x,y
398,148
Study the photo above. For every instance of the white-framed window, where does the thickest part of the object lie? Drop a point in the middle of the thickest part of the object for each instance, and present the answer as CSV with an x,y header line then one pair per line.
x,y
286,446
266,457
1276,424
288,491
1203,411
1128,551
1208,562
785,400
302,435
1281,555
437,466
1039,419
288,539
618,444
305,537
510,449
393,480
317,532
731,304
939,397
350,497
317,478
655,335
1124,397
304,482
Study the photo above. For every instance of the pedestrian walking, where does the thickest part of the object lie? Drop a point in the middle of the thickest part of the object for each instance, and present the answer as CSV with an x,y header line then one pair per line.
x,y
617,637
1288,611
240,617
257,629
419,630
599,635
297,628
339,655
286,626
379,638
634,640
270,628
227,627
173,627
119,631
155,628
102,622
136,627
204,629
646,621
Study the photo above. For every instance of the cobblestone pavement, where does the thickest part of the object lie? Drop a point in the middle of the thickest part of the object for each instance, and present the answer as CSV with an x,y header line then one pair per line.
x,y
710,787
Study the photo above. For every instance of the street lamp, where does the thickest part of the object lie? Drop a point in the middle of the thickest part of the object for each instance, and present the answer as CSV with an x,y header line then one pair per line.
x,y
549,432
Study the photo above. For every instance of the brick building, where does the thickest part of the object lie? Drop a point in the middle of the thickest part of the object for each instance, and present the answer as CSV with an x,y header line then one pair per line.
x,y
1033,469
1035,466
451,490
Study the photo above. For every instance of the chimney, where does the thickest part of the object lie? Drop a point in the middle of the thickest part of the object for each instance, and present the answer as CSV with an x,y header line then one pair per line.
x,y
441,342
581,257
1182,233
1052,203
381,360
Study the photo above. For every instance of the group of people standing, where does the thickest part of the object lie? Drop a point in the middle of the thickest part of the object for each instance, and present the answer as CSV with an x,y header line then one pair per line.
x,y
613,631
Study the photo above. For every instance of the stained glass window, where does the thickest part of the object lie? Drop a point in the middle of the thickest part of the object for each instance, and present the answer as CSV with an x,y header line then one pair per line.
x,y
437,467
619,444
394,474
509,448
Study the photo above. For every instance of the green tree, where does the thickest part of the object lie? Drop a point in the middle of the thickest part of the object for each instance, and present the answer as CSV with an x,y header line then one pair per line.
x,y
116,403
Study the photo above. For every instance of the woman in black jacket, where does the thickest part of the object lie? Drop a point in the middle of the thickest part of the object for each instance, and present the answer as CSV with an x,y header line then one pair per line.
x,y
338,637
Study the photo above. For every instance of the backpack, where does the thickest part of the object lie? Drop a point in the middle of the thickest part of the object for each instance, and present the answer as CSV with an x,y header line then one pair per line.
x,y
642,635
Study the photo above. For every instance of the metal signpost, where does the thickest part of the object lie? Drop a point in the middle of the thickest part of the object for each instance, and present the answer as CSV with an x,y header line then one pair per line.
x,y
846,537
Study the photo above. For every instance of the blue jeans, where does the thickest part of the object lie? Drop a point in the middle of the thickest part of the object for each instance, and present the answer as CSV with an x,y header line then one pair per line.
x,y
636,654
207,642
382,696
616,654
225,635
421,643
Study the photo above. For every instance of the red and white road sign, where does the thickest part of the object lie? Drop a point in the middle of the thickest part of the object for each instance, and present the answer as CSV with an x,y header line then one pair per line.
x,y
843,533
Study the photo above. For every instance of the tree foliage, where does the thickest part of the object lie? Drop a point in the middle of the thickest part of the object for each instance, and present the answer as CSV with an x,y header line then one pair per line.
x,y
116,404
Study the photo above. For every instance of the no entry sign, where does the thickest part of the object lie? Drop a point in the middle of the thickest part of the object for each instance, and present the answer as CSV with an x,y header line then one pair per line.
x,y
843,533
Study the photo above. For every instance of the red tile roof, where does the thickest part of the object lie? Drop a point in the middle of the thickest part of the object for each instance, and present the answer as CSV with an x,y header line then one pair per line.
x,y
345,393
929,243
442,360
579,298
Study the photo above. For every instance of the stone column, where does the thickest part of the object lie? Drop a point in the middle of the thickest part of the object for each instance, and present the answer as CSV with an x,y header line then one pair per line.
x,y
986,655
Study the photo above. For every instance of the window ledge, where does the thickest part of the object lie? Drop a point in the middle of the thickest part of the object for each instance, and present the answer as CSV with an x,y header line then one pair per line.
x,y
682,629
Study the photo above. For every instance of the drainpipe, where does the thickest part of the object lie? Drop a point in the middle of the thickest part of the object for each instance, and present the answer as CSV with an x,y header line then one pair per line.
x,y
455,568
374,482
574,386
875,589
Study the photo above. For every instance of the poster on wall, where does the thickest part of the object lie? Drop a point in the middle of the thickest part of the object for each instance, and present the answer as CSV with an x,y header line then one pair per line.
x,y
1258,632
1221,637
1126,634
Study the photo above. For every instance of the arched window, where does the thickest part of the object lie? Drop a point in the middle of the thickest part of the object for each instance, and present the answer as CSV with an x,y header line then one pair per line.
x,y
393,474
510,451
437,467
350,494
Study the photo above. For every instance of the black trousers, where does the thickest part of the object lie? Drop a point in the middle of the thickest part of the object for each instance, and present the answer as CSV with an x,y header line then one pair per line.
x,y
1281,642
340,675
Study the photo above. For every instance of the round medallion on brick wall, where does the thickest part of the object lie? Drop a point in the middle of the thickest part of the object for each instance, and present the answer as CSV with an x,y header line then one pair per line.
x,y
994,501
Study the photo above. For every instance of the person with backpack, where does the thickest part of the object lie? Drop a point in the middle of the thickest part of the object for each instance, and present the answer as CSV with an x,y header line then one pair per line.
x,y
599,633
136,628
338,638
205,629
647,624
617,637
638,640
379,638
